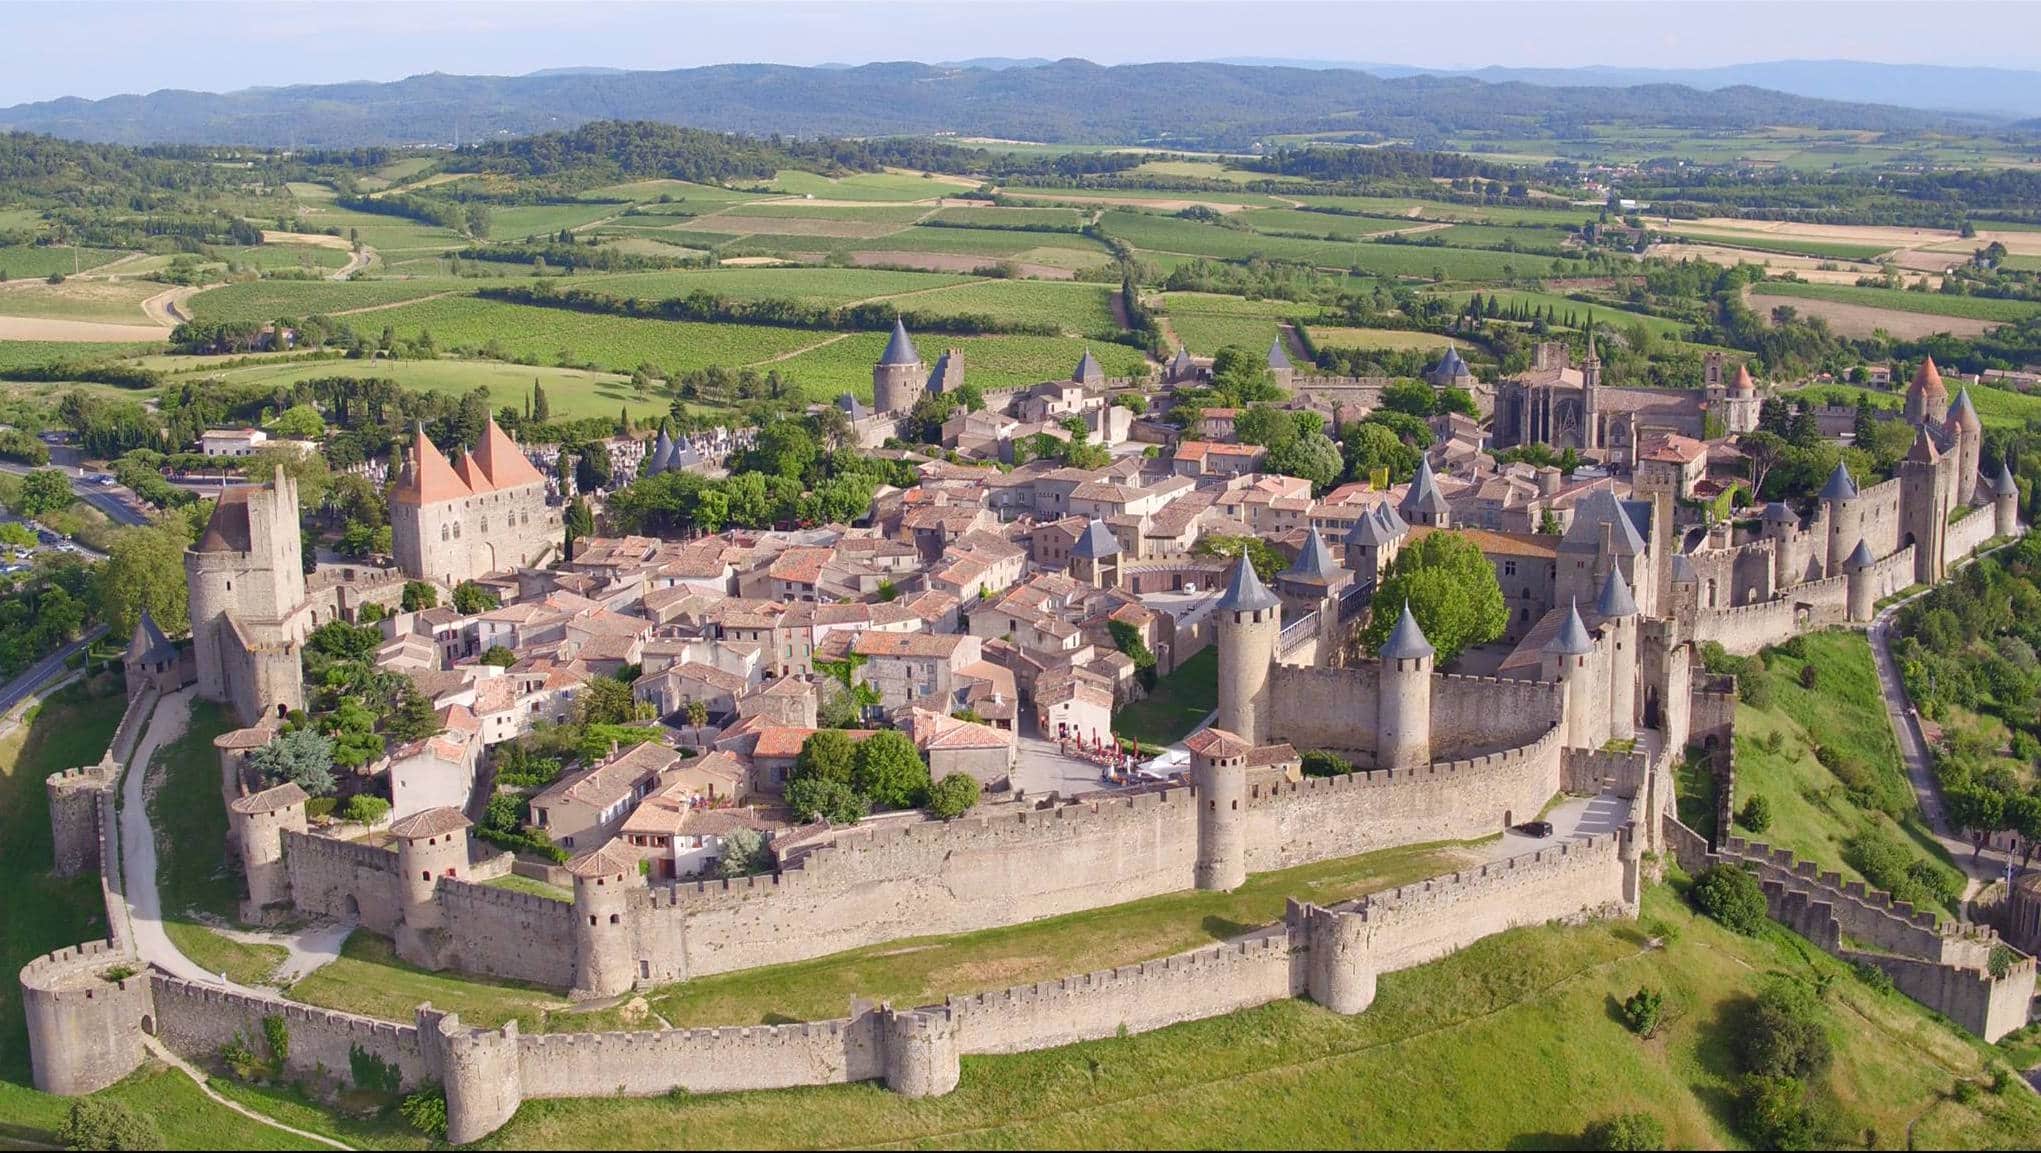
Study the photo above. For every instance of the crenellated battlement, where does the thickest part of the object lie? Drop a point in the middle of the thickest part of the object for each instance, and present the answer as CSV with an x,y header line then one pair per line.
x,y
1178,965
454,891
57,974
350,851
1424,897
708,1037
209,999
1380,778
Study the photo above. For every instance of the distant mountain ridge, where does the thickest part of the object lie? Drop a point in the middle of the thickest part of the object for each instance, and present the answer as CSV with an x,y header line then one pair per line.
x,y
2007,92
1191,105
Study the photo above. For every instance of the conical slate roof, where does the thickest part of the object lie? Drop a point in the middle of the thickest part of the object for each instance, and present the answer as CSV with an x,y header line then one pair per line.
x,y
1391,523
1424,495
900,350
1861,558
1572,639
1840,486
1246,593
2003,485
1087,368
1368,531
1182,359
1450,365
1777,512
1596,509
1406,641
1277,357
1315,561
149,643
661,456
1097,543
1964,413
1616,600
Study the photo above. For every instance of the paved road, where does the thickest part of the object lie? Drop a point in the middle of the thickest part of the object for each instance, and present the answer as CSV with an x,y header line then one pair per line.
x,y
44,670
112,499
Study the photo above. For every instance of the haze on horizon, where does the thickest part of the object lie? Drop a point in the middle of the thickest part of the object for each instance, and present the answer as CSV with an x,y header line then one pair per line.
x,y
95,50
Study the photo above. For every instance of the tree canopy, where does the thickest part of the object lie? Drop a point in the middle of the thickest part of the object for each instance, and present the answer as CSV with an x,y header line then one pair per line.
x,y
1451,589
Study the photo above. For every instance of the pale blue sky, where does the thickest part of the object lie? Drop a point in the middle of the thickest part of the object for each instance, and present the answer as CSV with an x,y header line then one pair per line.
x,y
83,48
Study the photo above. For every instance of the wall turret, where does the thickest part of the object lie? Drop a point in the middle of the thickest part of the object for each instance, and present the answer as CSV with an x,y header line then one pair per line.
x,y
430,845
2005,503
1968,431
1861,594
1250,620
479,1068
920,1050
898,377
604,881
1927,398
258,823
1566,657
1339,971
1845,517
1403,732
1618,611
1219,779
1424,504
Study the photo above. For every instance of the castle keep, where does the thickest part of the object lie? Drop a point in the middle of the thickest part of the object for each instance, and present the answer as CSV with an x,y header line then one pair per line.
x,y
485,513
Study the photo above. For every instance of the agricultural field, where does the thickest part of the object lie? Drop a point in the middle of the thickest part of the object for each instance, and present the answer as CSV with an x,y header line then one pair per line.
x,y
571,392
1996,407
1326,225
992,244
22,261
827,287
103,301
1207,322
736,223
26,353
648,193
1416,210
581,339
268,299
873,186
1389,339
1982,308
897,214
1784,245
515,222
1076,309
843,363
994,216
1154,233
1605,314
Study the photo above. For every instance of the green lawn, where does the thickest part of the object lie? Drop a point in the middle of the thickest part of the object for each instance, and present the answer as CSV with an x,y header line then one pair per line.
x,y
919,971
873,186
517,884
369,979
193,875
1814,810
1996,407
1511,1042
571,391
1178,701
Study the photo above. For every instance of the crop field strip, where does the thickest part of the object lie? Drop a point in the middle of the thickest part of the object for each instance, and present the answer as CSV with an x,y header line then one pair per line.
x,y
1900,300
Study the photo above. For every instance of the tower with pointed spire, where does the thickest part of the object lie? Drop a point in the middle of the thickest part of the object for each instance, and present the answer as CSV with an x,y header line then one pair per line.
x,y
1927,398
1566,657
1967,433
2005,502
1618,612
1860,592
1279,363
1927,493
1845,517
1403,707
1423,503
898,377
1250,621
1095,557
486,512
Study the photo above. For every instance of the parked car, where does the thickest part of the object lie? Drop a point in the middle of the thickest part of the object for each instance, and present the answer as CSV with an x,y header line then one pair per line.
x,y
1535,828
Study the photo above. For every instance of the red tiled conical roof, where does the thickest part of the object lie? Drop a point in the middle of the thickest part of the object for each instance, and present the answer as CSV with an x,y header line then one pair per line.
x,y
503,462
430,479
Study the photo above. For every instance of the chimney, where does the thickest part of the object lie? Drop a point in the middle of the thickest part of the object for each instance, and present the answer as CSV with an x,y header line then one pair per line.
x,y
1549,480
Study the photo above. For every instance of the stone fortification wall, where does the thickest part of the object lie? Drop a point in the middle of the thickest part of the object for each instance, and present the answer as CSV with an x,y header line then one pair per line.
x,y
701,1060
1877,518
1748,628
77,796
1892,573
1590,771
1967,535
939,877
1318,818
1316,708
342,879
1863,914
503,933
1472,715
1136,998
1988,1007
195,1020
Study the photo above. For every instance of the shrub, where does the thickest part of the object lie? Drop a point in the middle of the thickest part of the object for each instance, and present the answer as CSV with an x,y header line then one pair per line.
x,y
278,1033
1872,975
822,799
743,854
1754,688
1625,1131
426,1111
1783,1036
1809,676
367,809
372,1073
1965,1091
1774,741
240,1059
953,796
1320,763
1731,896
1756,814
1642,1011
97,1123
1773,1113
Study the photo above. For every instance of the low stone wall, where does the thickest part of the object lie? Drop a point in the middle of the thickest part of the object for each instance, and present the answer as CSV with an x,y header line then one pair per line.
x,y
1748,628
342,879
1975,1000
503,933
1590,771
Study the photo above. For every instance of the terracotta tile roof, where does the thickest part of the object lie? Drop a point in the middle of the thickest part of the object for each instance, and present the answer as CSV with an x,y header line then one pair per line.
x,y
227,529
918,644
270,800
1491,543
801,565
501,460
1213,744
428,478
786,740
430,823
471,474
611,860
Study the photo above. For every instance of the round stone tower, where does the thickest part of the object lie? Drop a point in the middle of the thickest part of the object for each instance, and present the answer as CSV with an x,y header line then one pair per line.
x,y
1403,722
1861,596
1250,621
1219,777
259,821
1566,656
208,575
1845,518
1969,446
921,1051
430,845
1618,610
84,1026
2005,503
898,377
484,1084
604,881
1340,975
